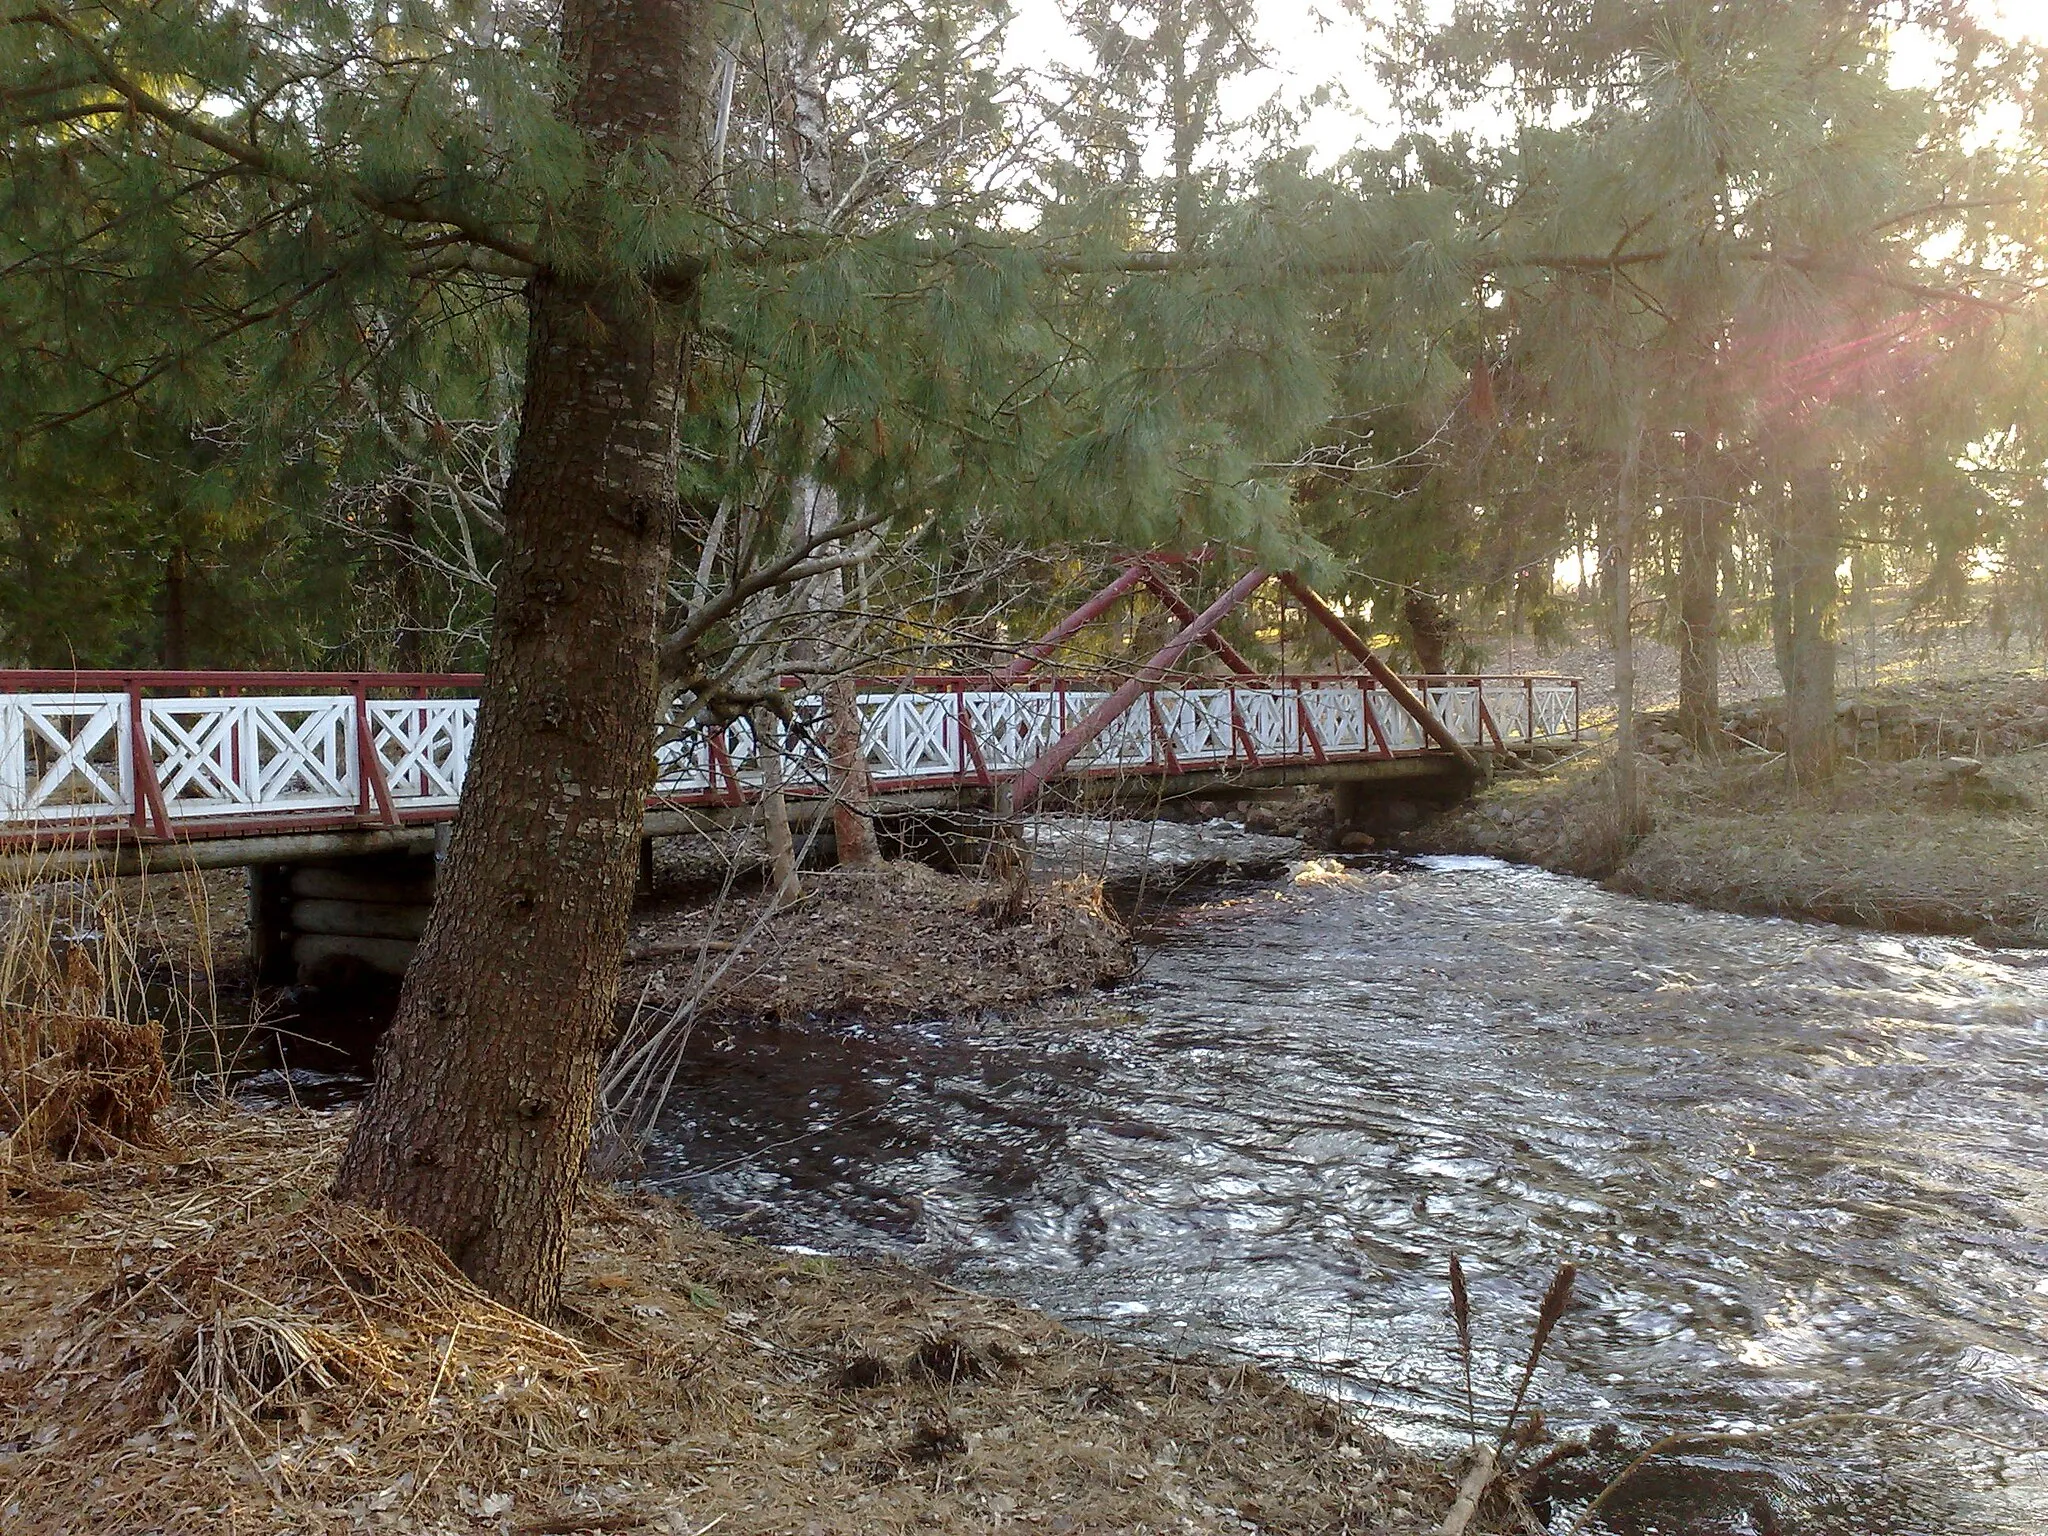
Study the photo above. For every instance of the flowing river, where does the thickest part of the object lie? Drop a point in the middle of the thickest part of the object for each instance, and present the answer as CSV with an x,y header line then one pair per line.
x,y
1803,1172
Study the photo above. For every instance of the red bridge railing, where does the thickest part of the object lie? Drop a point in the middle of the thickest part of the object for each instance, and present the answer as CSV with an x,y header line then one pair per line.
x,y
96,756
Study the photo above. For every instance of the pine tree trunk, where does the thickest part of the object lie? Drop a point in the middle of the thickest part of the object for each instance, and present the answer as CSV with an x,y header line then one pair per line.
x,y
478,1124
1627,801
853,824
1699,619
825,648
1813,546
177,651
1429,633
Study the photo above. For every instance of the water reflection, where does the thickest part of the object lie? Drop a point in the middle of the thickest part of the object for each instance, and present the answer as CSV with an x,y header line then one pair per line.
x,y
1803,1171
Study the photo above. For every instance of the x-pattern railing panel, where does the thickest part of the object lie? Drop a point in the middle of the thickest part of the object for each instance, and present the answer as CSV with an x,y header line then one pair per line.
x,y
1400,729
1196,721
682,764
1012,728
1337,710
1457,705
233,756
64,757
1272,719
424,747
1557,709
1126,742
909,735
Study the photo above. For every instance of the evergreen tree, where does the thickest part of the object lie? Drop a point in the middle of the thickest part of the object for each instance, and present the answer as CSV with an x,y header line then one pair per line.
x,y
216,218
1740,211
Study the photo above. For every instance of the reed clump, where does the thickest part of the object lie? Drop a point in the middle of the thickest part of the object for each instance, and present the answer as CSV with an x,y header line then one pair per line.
x,y
292,1350
324,1304
314,1314
82,1069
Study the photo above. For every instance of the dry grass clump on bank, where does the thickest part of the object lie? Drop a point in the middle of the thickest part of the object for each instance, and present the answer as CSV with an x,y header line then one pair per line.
x,y
208,1345
1886,846
82,1072
895,941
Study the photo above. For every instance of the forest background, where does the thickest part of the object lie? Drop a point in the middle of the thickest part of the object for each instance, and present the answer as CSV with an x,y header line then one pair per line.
x,y
1795,244
646,350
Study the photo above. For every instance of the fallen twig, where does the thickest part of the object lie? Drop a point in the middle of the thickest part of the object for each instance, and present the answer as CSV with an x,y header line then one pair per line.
x,y
1470,1491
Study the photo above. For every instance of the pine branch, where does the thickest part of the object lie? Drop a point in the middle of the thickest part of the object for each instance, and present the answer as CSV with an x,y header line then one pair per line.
x,y
792,250
254,158
462,257
164,365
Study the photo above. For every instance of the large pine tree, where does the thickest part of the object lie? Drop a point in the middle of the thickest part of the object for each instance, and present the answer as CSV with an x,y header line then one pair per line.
x,y
212,218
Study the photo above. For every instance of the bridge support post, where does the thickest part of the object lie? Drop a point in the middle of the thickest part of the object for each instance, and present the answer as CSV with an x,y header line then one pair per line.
x,y
270,935
1348,806
334,921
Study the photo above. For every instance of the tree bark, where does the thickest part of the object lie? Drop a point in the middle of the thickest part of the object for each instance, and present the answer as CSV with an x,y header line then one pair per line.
x,y
1699,615
1813,548
1429,633
817,504
825,648
1863,619
775,831
1627,801
177,652
1184,127
478,1124
853,823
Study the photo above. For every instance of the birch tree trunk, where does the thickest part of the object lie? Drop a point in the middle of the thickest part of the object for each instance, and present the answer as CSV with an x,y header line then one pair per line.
x,y
478,1124
853,827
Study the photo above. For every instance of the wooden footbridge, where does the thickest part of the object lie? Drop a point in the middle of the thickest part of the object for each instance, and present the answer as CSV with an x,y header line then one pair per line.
x,y
139,769
334,789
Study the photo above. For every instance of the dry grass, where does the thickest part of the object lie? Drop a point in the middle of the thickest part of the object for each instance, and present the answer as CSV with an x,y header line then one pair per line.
x,y
1874,851
82,1071
1911,868
209,1346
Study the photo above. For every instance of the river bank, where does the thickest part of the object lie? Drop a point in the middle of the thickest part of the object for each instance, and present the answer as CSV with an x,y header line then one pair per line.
x,y
894,941
194,1340
1921,834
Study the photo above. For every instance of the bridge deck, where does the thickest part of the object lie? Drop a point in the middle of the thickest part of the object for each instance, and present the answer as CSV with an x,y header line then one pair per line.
x,y
93,760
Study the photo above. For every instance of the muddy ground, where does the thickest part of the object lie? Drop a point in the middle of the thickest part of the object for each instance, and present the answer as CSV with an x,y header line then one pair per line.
x,y
203,1344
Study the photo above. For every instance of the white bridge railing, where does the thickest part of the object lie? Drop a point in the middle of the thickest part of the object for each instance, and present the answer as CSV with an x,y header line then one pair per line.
x,y
933,731
247,756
